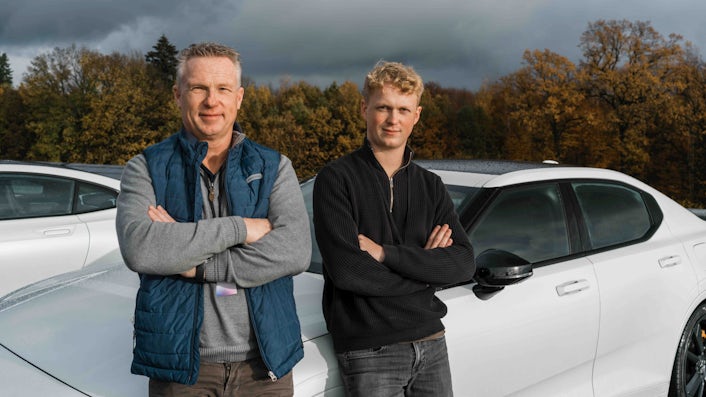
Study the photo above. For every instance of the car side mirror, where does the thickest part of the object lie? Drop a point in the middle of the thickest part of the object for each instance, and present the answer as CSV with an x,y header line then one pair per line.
x,y
497,269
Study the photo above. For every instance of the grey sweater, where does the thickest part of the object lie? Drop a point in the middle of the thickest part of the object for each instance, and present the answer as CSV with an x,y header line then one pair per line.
x,y
217,242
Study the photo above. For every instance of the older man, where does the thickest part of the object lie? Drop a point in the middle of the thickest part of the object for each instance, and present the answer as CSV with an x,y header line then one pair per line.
x,y
216,227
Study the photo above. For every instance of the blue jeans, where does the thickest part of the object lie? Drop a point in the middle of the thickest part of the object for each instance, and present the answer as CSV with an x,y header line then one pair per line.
x,y
404,369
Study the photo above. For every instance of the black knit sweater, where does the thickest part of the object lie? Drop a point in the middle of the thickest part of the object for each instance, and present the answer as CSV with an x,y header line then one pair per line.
x,y
370,304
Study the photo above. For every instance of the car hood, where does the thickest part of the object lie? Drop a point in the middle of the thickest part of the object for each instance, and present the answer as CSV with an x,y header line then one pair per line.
x,y
77,327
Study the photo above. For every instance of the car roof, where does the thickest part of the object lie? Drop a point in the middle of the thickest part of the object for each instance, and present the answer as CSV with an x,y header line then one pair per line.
x,y
499,173
488,167
108,170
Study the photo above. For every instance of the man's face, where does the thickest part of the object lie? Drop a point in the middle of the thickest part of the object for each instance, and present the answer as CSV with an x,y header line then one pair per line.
x,y
209,97
390,116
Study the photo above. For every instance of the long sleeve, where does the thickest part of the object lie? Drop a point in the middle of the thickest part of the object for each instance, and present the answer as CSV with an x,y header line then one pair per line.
x,y
438,266
336,229
165,248
286,249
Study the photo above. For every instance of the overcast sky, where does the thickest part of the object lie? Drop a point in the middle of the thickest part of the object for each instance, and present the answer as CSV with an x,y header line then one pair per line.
x,y
456,43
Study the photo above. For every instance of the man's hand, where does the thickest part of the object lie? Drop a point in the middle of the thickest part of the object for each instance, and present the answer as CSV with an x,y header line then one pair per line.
x,y
371,247
440,237
256,228
159,214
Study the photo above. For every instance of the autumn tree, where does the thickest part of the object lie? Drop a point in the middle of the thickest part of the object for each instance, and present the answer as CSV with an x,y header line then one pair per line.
x,y
627,71
678,149
344,102
14,139
125,112
54,94
430,136
546,109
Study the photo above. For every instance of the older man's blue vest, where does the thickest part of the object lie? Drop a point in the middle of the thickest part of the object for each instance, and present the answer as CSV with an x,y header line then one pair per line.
x,y
169,310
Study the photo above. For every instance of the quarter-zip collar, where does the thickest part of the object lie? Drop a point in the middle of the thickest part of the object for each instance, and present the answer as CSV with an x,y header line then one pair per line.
x,y
407,160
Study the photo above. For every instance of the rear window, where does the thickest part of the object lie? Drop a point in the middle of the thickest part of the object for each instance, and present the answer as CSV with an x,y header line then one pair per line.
x,y
614,214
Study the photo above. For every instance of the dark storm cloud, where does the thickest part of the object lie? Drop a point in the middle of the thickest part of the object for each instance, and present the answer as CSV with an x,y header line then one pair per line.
x,y
28,22
457,43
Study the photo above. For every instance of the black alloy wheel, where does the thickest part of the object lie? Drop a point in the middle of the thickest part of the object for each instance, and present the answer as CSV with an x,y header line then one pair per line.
x,y
689,372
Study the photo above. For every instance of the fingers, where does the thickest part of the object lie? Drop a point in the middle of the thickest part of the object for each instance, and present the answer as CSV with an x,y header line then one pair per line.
x,y
364,242
371,247
256,228
440,237
159,214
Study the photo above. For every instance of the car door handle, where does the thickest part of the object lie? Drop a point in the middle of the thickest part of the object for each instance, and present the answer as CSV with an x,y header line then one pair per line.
x,y
56,232
571,287
669,261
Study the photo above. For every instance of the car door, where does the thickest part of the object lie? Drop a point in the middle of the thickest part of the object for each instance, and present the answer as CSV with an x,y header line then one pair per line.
x,y
39,236
535,338
646,286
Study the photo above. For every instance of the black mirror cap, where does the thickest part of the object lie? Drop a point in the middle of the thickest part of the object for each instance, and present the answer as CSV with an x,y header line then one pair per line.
x,y
498,268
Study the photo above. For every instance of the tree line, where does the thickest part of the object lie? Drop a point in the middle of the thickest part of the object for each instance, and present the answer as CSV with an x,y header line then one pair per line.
x,y
635,102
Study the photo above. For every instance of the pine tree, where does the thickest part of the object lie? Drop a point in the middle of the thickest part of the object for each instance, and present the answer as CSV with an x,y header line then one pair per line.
x,y
5,71
163,60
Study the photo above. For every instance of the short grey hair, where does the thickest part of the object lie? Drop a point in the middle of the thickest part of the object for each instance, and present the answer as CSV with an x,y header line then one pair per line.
x,y
205,50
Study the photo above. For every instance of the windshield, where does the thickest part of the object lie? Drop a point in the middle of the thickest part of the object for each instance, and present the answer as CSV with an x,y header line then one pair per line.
x,y
460,195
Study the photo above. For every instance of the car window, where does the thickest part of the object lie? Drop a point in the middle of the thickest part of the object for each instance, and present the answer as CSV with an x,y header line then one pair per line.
x,y
28,196
614,214
528,221
461,196
93,198
31,196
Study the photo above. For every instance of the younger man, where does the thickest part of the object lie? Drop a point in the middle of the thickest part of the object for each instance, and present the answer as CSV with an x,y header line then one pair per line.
x,y
389,236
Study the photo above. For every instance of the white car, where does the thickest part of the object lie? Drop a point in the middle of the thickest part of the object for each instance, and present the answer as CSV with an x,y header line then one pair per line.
x,y
589,283
53,219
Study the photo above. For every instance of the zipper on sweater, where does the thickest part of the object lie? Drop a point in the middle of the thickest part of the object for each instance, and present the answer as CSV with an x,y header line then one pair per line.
x,y
392,192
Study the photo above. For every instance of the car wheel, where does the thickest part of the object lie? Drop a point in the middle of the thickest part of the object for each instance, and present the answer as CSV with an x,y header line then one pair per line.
x,y
689,372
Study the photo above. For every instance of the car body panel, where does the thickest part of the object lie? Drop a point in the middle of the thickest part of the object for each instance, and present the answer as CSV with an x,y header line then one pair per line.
x,y
642,295
87,315
603,322
539,338
36,248
33,248
19,378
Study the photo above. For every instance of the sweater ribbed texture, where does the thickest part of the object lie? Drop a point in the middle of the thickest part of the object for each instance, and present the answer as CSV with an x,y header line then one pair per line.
x,y
366,303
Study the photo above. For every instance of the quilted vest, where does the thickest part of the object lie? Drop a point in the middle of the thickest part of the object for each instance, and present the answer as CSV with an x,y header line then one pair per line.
x,y
169,310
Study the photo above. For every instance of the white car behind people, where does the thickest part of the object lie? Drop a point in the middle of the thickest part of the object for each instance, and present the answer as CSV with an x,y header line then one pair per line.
x,y
55,218
589,283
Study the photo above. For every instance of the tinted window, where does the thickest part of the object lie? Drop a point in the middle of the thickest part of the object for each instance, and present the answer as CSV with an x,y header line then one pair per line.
x,y
31,196
34,196
614,214
528,221
94,198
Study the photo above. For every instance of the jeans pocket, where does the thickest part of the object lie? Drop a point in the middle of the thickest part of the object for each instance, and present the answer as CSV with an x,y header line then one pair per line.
x,y
362,353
